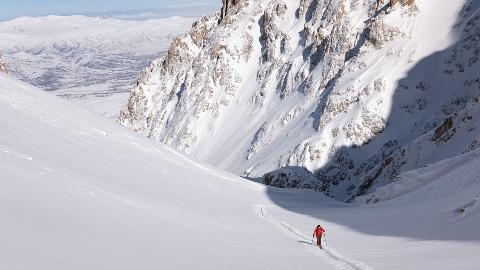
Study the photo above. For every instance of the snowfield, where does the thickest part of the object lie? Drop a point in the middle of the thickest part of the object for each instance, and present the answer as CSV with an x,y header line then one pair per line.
x,y
92,61
79,192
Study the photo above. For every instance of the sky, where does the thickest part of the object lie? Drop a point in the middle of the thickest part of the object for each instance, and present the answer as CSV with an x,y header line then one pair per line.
x,y
15,8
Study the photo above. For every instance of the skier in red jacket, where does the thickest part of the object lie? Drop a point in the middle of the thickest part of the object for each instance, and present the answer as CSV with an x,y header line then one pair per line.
x,y
318,232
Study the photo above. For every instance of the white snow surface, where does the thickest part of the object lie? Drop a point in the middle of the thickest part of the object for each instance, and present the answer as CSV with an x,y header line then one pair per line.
x,y
79,192
93,61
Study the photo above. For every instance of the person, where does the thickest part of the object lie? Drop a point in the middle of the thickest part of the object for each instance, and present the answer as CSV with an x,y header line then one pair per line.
x,y
318,232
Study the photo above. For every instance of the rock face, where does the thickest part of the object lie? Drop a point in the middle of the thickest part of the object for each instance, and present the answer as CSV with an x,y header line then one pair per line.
x,y
344,88
3,65
403,2
226,7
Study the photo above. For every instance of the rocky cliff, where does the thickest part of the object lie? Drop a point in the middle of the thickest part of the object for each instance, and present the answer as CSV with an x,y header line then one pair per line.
x,y
355,91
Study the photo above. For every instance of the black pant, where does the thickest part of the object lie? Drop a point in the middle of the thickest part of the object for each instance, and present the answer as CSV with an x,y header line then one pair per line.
x,y
319,240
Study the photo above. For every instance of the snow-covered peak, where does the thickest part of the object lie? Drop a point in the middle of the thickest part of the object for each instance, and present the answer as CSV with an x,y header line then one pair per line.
x,y
343,88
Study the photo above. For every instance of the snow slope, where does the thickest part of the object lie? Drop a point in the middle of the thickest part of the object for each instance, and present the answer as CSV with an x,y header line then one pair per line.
x,y
79,192
355,91
86,59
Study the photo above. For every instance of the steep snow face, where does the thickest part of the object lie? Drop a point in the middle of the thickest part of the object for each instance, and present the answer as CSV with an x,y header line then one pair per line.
x,y
356,91
79,192
86,59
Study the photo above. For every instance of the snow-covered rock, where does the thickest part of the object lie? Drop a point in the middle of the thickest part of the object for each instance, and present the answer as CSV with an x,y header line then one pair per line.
x,y
290,177
3,65
344,88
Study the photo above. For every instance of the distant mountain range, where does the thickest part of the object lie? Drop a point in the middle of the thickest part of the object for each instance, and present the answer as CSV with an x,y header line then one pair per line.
x,y
86,59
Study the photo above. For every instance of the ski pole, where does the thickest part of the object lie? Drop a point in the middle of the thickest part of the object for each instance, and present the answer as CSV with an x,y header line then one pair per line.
x,y
325,236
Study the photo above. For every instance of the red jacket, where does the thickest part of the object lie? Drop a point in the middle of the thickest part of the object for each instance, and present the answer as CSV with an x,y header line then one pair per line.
x,y
318,231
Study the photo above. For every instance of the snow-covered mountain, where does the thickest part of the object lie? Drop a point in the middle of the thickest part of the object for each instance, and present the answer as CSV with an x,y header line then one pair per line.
x,y
79,192
355,91
93,61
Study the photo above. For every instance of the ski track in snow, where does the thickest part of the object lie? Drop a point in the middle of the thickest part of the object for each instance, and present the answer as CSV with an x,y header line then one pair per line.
x,y
471,207
331,255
